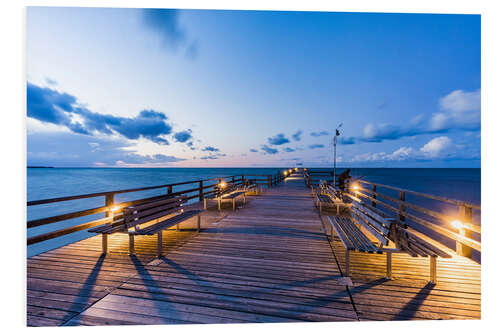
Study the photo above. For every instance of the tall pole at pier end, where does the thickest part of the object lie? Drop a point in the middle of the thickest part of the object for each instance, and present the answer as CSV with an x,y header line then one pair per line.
x,y
337,133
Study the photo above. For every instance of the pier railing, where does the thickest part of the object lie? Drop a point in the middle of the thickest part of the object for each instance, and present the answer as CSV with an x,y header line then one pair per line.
x,y
313,177
453,219
197,190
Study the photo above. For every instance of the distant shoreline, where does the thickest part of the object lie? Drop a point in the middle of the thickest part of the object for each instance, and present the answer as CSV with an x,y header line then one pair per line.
x,y
39,167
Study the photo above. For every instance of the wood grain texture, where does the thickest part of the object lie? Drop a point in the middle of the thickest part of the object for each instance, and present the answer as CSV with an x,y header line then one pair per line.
x,y
269,261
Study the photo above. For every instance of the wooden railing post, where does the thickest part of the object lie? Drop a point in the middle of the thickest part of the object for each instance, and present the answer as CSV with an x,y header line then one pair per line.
x,y
169,189
110,201
402,207
465,214
201,191
269,181
374,196
232,179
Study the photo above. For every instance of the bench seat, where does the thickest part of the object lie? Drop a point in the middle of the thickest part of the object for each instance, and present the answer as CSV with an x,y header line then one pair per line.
x,y
327,197
151,211
175,220
231,193
365,220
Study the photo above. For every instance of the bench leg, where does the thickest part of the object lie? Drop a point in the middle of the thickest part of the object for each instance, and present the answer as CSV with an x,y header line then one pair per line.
x,y
338,209
433,270
234,205
244,198
388,266
218,204
104,243
320,207
131,247
347,264
205,204
199,222
177,227
159,244
331,233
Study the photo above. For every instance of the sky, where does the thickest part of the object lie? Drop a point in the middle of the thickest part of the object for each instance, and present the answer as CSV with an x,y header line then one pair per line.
x,y
114,87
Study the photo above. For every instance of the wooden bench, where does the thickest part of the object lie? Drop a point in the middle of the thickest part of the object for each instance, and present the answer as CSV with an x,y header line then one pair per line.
x,y
366,220
326,196
135,216
229,192
250,186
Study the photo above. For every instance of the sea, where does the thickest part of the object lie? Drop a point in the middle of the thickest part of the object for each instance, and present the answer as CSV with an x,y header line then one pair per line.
x,y
46,183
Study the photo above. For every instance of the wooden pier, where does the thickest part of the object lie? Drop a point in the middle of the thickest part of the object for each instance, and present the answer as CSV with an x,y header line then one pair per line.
x,y
268,261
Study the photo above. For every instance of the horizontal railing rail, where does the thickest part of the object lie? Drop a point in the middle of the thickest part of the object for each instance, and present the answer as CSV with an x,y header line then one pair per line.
x,y
113,210
457,226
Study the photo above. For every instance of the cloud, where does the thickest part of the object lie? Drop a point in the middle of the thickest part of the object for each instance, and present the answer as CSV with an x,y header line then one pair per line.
x,y
459,110
211,149
183,136
460,101
436,146
164,23
212,157
288,150
297,135
252,150
278,139
50,106
66,149
268,150
316,134
50,81
316,145
192,50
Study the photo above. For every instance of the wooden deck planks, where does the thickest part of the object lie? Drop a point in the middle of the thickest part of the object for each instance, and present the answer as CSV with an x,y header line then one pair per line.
x,y
269,261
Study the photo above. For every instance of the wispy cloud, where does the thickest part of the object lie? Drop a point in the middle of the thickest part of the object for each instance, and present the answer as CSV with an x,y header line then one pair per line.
x,y
66,149
316,146
297,135
278,139
288,150
253,150
211,149
268,150
440,147
316,134
165,24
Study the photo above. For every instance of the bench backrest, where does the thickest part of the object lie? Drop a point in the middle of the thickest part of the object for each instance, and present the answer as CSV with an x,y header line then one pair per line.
x,y
374,221
385,228
138,214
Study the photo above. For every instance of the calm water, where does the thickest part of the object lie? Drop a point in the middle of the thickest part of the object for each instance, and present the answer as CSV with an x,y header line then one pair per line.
x,y
462,184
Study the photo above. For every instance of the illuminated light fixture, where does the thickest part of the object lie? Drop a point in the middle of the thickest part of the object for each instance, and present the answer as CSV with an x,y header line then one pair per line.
x,y
114,208
457,224
285,173
355,188
222,184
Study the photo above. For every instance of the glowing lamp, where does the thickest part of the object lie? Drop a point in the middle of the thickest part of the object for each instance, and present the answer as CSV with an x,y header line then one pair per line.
x,y
457,224
285,173
222,184
114,208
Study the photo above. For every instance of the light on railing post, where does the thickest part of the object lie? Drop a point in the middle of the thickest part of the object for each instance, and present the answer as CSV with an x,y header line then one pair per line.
x,y
465,214
110,201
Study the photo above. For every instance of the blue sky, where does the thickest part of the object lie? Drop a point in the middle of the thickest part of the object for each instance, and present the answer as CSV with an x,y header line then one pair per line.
x,y
134,87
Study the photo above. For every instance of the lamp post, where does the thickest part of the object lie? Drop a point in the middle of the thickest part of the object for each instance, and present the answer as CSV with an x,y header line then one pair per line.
x,y
337,133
